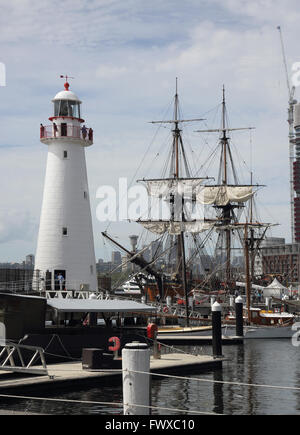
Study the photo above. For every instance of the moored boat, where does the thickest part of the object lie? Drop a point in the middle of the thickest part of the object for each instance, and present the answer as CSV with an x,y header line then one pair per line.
x,y
264,323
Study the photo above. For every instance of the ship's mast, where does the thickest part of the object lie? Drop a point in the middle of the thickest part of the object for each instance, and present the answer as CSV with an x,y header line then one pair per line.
x,y
180,237
224,138
226,158
227,209
177,204
247,272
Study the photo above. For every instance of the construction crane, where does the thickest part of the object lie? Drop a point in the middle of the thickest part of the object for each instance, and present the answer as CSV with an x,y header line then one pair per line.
x,y
291,103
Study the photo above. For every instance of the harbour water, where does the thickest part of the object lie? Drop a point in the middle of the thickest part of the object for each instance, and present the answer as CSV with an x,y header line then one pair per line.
x,y
261,362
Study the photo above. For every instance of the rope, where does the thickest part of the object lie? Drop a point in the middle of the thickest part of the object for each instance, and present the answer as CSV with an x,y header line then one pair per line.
x,y
59,339
138,168
94,402
243,384
172,347
91,402
187,411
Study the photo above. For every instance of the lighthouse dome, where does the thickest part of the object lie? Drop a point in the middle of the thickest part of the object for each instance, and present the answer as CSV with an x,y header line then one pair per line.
x,y
66,95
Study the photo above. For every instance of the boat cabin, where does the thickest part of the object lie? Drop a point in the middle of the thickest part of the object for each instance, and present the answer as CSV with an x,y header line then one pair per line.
x,y
270,318
266,317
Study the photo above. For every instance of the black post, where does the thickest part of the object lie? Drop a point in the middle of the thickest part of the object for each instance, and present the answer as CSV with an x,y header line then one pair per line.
x,y
216,330
239,317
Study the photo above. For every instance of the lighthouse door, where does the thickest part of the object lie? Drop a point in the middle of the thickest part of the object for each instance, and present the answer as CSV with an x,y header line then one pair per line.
x,y
59,279
63,129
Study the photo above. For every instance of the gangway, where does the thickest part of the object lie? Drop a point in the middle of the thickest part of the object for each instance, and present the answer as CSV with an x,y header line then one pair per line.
x,y
12,350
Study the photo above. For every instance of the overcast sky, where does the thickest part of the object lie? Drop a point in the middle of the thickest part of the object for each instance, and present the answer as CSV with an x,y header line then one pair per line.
x,y
124,57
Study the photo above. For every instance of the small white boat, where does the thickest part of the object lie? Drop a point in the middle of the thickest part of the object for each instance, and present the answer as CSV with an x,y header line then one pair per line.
x,y
131,286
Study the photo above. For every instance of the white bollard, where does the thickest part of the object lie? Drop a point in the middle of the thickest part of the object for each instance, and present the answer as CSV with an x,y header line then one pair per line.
x,y
136,386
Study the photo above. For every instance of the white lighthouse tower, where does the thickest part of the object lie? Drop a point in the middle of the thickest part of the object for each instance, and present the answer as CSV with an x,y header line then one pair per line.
x,y
65,256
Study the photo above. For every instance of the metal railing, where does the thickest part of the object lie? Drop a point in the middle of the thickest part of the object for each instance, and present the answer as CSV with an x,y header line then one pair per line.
x,y
12,350
66,130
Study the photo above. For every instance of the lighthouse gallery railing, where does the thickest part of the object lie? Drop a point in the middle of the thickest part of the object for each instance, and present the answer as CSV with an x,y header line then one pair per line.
x,y
65,130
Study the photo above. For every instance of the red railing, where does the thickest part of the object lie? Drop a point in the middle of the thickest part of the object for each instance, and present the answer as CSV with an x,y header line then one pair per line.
x,y
66,130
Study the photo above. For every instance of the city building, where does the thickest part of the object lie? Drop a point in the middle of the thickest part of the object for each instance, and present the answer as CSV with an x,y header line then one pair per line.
x,y
282,261
296,175
29,260
266,243
116,258
104,266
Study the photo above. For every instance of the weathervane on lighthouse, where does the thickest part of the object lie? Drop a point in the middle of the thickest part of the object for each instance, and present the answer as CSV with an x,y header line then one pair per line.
x,y
65,256
66,82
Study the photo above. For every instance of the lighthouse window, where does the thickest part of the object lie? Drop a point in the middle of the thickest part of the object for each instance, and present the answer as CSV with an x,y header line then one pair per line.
x,y
91,269
74,107
56,107
65,154
85,195
65,231
67,108
64,108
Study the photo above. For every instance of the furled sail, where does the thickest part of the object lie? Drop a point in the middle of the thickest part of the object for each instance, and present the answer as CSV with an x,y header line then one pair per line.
x,y
222,195
239,225
175,228
186,187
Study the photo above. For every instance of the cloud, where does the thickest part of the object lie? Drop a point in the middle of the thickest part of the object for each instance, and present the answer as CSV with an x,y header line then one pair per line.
x,y
16,225
125,57
110,72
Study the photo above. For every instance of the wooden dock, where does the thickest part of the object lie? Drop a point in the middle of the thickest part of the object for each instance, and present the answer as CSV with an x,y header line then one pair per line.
x,y
71,376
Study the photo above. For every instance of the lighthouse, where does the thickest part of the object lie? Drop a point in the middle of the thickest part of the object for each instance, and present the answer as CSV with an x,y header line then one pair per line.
x,y
65,255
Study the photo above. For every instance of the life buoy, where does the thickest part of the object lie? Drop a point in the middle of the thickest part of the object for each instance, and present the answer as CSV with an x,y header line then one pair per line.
x,y
117,344
152,330
166,310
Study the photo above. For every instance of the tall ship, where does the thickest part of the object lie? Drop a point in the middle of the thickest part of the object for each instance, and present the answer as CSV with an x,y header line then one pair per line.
x,y
189,211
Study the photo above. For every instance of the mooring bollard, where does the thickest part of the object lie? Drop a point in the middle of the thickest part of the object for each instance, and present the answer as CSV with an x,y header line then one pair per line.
x,y
216,330
136,386
239,321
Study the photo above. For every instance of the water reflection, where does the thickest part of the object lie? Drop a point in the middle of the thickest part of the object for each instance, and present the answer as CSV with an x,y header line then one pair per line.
x,y
218,393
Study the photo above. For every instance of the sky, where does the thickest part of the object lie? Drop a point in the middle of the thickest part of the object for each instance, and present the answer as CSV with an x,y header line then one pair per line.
x,y
125,57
